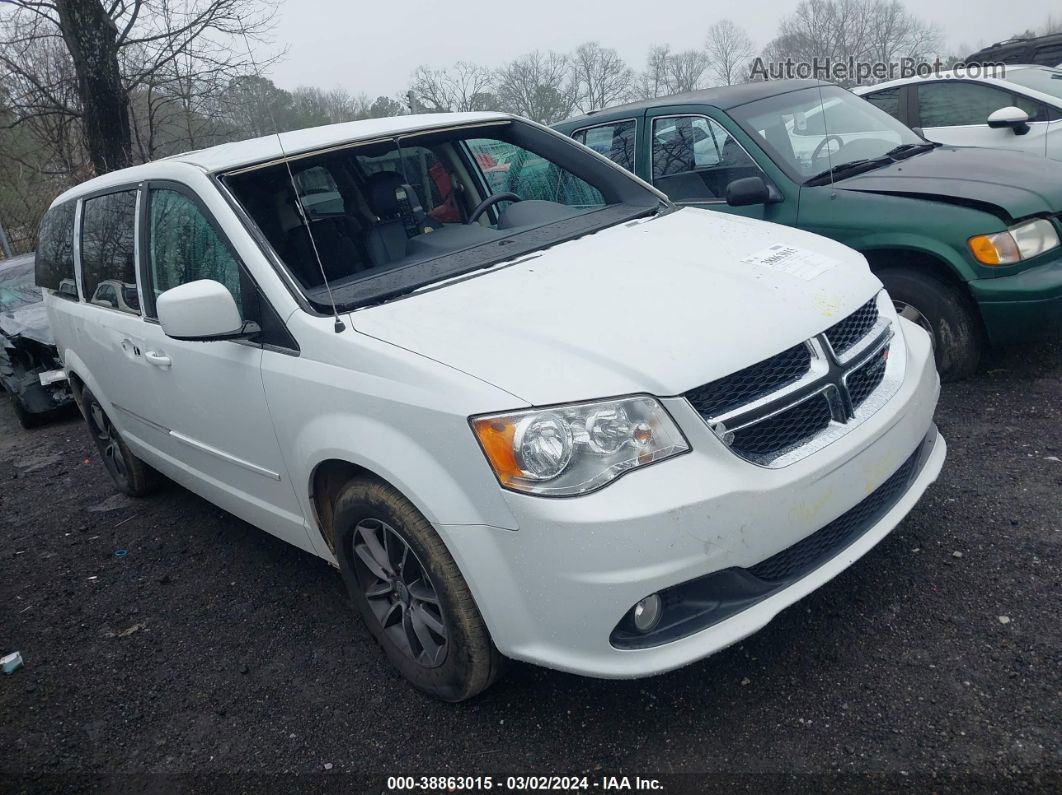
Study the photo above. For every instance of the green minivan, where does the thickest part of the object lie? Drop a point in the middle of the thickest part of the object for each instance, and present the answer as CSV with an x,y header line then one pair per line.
x,y
965,240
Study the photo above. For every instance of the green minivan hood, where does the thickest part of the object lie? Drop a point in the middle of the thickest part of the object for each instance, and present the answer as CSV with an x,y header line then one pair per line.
x,y
1019,184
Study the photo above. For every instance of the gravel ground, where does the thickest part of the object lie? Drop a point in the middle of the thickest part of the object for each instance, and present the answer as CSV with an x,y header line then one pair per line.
x,y
212,648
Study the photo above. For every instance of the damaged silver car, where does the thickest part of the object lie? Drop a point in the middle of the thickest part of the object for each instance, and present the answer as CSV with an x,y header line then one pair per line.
x,y
29,362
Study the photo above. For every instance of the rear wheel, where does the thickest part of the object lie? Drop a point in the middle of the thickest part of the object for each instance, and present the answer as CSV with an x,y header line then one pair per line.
x,y
410,593
942,310
128,472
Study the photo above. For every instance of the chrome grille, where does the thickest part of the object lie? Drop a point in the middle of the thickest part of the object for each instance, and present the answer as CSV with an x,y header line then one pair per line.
x,y
843,335
745,385
865,379
764,441
784,408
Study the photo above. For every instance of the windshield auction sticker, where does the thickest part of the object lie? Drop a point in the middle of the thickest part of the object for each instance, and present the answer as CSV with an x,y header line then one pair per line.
x,y
795,261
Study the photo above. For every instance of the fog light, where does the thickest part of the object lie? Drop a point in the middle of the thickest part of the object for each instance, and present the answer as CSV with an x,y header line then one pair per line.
x,y
646,613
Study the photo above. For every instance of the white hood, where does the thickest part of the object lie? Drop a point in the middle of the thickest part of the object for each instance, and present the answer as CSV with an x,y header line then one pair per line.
x,y
658,306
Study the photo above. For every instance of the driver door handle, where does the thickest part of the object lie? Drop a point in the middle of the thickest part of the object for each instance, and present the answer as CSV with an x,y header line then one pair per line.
x,y
157,359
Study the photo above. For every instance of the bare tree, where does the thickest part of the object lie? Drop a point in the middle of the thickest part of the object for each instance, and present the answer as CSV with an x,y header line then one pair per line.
x,y
601,77
863,30
537,85
685,71
465,87
728,49
40,99
134,64
893,33
653,82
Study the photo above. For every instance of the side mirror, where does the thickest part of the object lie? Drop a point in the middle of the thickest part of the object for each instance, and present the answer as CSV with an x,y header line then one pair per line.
x,y
751,190
1015,118
202,311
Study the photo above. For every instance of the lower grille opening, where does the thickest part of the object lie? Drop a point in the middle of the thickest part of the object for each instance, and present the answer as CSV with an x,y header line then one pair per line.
x,y
698,604
804,556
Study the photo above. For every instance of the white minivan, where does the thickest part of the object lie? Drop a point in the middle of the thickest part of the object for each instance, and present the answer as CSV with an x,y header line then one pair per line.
x,y
527,406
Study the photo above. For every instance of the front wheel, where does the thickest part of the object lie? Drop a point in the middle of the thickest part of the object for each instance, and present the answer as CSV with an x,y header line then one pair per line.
x,y
410,593
942,310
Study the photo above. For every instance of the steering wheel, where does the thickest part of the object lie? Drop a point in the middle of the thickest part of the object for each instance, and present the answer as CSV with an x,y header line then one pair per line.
x,y
825,142
490,201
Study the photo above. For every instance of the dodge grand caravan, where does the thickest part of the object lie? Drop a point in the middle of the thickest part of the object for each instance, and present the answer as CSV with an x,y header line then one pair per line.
x,y
527,406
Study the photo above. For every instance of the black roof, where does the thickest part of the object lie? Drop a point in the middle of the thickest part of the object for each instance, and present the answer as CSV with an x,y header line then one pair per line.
x,y
1041,50
723,97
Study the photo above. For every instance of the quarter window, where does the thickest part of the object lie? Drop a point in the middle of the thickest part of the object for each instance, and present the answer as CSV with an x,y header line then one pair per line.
x,y
888,100
614,141
960,104
55,248
107,250
695,158
184,246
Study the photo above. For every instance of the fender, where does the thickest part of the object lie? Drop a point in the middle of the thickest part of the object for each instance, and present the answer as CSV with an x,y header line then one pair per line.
x,y
424,479
921,244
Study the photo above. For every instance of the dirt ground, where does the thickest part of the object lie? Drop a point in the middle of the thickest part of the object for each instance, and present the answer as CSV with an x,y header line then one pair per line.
x,y
211,649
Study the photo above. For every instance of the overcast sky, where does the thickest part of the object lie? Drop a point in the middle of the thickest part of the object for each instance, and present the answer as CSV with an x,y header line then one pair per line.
x,y
372,46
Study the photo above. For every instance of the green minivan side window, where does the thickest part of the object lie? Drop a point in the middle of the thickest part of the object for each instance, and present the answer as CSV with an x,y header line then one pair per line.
x,y
185,247
695,158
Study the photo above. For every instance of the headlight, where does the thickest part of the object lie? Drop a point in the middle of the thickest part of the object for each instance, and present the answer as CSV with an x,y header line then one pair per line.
x,y
577,448
1023,241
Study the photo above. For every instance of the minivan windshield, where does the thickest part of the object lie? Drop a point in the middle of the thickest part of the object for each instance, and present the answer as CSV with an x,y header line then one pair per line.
x,y
371,221
811,131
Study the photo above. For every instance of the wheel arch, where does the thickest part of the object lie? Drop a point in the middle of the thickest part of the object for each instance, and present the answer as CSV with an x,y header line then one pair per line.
x,y
887,257
327,480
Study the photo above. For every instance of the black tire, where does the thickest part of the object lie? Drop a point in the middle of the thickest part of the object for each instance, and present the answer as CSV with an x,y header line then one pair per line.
x,y
26,419
131,475
463,660
945,312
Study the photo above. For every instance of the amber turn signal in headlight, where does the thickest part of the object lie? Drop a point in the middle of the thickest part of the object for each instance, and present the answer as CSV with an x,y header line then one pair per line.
x,y
579,447
1018,243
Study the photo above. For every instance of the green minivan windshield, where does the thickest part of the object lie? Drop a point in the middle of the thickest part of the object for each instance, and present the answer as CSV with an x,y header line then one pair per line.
x,y
812,130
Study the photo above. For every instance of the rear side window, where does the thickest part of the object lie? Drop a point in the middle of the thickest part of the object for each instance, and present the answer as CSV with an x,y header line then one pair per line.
x,y
184,246
107,251
55,247
888,100
614,141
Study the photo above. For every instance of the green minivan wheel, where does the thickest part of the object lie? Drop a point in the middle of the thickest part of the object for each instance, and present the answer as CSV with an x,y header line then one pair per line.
x,y
942,310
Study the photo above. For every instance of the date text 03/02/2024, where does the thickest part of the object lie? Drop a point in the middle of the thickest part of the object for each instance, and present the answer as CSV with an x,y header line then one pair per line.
x,y
521,783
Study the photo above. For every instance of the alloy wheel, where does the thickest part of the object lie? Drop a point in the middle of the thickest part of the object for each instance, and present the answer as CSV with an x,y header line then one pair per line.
x,y
107,441
400,592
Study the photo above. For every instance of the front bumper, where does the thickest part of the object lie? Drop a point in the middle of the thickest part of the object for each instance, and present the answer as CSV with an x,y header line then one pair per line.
x,y
553,591
1024,307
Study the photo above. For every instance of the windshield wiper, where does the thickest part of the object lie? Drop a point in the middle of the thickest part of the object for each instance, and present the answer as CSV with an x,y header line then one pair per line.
x,y
848,169
903,151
